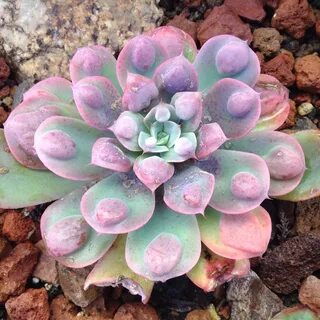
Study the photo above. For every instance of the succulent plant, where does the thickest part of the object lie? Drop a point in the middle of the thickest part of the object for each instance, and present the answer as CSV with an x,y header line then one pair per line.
x,y
160,160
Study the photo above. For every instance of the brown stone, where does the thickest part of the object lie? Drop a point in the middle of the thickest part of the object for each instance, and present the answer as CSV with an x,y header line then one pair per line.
x,y
222,20
16,268
184,24
5,247
17,227
302,97
3,115
192,3
46,269
308,216
32,305
4,92
250,9
198,315
309,293
72,284
271,3
4,70
291,119
267,40
318,28
281,67
298,257
294,17
136,311
307,71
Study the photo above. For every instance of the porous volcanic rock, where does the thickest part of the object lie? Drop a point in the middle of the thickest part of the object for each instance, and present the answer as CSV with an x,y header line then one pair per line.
x,y
294,17
32,304
307,71
39,36
222,20
16,268
309,293
180,21
267,40
298,257
250,9
136,311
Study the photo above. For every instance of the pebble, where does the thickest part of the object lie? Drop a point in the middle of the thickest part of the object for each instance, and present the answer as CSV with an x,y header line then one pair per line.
x,y
309,293
307,70
298,257
32,305
16,268
222,20
294,17
305,108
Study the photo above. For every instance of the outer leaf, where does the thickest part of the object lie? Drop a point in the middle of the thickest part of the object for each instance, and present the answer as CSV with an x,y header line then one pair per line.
x,y
22,187
309,187
118,204
175,42
189,190
213,270
63,212
161,249
64,145
94,61
97,101
226,56
112,270
234,105
275,105
240,236
283,155
242,180
140,55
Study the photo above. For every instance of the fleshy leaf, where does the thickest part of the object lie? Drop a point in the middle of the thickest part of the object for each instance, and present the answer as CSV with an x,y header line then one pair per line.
x,y
226,56
242,180
106,153
309,186
213,270
189,190
47,98
175,75
94,61
240,236
234,105
112,270
283,155
275,106
188,107
296,313
141,55
175,42
183,149
118,204
63,229
22,187
161,112
98,101
127,129
138,93
148,143
210,137
64,145
152,171
161,249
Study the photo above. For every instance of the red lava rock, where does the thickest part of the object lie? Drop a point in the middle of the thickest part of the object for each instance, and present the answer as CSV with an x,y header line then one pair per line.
x,y
3,115
281,68
309,293
318,28
298,257
4,92
4,70
291,119
222,20
302,97
5,247
184,24
17,227
294,17
198,315
267,40
46,269
136,311
32,305
307,71
308,216
271,3
192,3
250,9
16,268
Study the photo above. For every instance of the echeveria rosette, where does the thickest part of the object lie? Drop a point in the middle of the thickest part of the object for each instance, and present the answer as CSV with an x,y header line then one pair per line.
x,y
170,153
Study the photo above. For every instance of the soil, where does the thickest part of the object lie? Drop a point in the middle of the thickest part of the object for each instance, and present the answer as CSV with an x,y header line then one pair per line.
x,y
293,59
